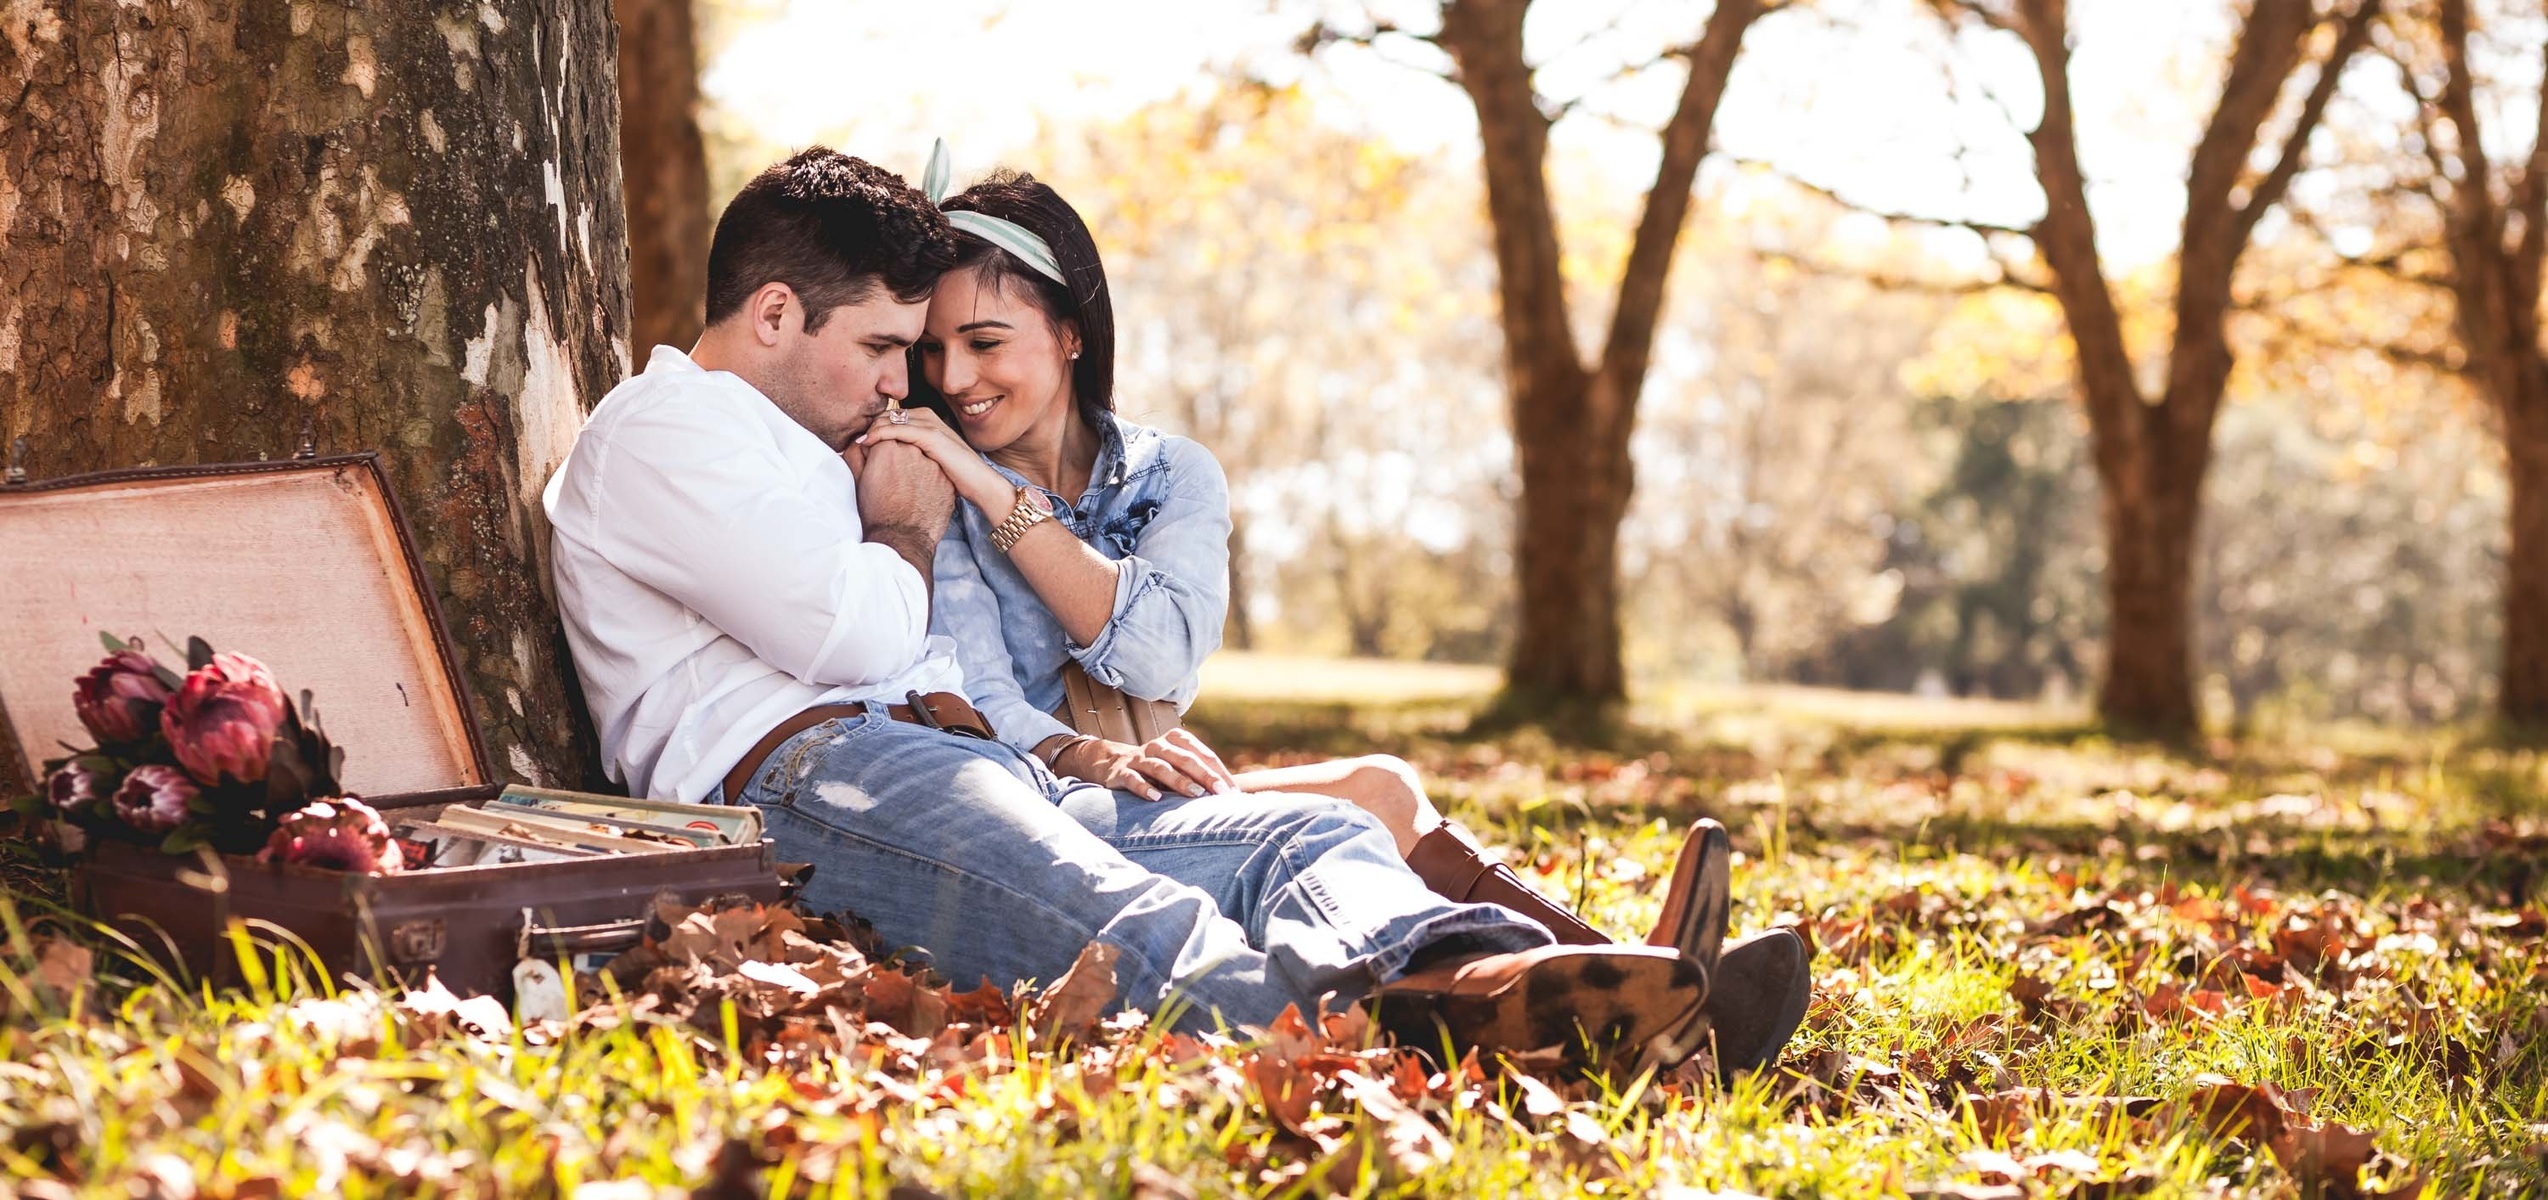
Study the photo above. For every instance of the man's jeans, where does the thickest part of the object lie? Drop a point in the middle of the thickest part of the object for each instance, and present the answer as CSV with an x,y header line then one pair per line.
x,y
1231,905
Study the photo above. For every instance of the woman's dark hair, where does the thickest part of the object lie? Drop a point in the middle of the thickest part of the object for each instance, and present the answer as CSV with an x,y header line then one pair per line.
x,y
831,227
1016,197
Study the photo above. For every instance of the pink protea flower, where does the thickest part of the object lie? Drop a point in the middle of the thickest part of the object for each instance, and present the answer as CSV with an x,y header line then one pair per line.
x,y
343,834
119,699
222,720
154,798
77,787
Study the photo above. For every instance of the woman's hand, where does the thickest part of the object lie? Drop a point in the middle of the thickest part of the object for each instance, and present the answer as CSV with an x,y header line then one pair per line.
x,y
1176,761
974,478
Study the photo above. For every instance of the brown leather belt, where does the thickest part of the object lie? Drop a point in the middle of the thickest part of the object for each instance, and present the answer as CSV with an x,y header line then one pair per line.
x,y
938,710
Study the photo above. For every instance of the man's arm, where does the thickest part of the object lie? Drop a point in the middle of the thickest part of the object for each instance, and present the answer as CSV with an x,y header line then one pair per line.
x,y
916,546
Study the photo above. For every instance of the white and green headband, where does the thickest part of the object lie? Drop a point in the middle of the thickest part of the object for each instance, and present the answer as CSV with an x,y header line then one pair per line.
x,y
1020,242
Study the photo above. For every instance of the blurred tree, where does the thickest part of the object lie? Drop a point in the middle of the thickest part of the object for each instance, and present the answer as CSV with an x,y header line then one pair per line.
x,y
1274,278
1572,419
2495,235
664,166
228,228
2151,450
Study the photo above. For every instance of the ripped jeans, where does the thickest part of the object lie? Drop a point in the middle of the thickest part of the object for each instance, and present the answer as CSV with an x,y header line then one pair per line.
x,y
1224,907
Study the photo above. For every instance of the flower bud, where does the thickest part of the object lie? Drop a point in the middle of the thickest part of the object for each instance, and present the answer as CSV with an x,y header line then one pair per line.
x,y
119,699
154,798
221,722
76,787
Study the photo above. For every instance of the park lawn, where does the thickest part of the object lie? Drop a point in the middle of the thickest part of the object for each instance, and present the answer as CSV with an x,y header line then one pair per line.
x,y
2048,966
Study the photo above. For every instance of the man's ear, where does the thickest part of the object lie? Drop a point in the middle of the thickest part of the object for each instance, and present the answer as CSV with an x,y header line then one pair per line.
x,y
773,310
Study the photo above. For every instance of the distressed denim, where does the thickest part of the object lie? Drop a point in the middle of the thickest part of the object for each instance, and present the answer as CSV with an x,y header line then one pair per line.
x,y
1156,504
1225,907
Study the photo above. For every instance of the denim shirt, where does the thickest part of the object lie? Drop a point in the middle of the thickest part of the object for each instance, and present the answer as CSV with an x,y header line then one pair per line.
x,y
1157,505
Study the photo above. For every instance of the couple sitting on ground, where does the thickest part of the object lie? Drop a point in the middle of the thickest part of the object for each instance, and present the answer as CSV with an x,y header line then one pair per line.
x,y
785,588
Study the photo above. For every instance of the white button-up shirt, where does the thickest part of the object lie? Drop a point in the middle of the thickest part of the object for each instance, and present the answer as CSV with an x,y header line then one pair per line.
x,y
714,580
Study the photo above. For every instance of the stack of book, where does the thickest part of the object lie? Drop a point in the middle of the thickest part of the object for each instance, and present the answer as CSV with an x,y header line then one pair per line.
x,y
527,824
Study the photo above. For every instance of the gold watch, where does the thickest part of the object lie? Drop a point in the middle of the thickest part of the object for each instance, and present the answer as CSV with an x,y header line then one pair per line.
x,y
1026,514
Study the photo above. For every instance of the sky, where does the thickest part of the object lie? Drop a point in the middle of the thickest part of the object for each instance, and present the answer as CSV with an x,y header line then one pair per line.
x,y
1851,94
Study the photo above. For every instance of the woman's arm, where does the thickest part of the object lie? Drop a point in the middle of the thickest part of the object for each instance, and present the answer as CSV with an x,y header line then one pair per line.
x,y
1172,593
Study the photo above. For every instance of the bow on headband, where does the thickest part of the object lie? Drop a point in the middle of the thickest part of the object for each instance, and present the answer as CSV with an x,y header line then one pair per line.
x,y
1007,235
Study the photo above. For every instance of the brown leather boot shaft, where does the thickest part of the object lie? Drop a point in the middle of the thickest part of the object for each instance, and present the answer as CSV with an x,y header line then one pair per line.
x,y
1456,870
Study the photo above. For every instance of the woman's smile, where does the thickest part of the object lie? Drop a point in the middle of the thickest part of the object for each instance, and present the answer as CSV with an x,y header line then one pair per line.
x,y
973,409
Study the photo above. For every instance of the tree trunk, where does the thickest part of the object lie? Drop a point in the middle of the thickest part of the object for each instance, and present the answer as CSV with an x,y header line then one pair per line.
x,y
1567,649
2524,700
666,169
2149,681
1241,625
395,227
1572,421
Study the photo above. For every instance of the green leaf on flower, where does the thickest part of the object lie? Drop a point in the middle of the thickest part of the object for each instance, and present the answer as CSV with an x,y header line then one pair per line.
x,y
114,644
198,654
182,839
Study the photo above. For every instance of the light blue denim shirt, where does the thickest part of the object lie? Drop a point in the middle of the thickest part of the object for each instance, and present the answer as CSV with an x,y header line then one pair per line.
x,y
1156,504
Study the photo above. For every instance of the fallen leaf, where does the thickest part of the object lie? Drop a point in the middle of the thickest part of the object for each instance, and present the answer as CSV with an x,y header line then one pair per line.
x,y
1080,996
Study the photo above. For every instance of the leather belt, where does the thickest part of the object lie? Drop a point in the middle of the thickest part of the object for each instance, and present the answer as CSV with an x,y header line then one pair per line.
x,y
943,711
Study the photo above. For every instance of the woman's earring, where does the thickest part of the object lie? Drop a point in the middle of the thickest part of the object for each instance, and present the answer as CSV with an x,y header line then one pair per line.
x,y
1074,356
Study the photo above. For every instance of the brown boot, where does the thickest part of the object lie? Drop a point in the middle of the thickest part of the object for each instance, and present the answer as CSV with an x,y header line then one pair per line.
x,y
1456,870
1593,1004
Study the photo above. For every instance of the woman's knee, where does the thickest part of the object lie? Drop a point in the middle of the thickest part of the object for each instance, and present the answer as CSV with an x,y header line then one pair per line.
x,y
1388,788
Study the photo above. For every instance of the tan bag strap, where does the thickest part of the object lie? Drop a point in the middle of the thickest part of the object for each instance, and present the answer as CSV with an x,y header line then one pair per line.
x,y
1098,710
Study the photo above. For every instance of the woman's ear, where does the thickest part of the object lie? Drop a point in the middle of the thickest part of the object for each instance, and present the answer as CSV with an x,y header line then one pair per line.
x,y
1070,340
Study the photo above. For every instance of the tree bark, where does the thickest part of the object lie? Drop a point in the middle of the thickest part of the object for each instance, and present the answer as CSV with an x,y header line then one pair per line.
x,y
665,165
2496,254
2152,454
1572,420
393,227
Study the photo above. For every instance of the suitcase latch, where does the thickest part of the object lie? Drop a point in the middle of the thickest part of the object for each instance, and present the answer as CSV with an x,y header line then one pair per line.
x,y
417,941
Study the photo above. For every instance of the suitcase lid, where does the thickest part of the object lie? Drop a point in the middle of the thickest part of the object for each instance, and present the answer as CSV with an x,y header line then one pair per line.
x,y
305,564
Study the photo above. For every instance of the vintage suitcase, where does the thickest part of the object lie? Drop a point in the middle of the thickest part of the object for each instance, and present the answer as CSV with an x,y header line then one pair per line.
x,y
306,564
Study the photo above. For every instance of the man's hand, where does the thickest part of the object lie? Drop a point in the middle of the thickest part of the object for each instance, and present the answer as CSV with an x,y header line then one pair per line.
x,y
904,501
899,485
1176,761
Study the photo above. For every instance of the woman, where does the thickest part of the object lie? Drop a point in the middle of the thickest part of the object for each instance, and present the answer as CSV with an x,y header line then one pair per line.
x,y
1088,540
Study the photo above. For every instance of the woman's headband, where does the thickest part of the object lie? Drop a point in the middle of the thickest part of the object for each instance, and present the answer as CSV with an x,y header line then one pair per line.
x,y
1007,235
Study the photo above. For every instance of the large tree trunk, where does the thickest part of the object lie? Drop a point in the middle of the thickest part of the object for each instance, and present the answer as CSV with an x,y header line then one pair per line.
x,y
1575,490
666,170
397,227
2149,681
1572,421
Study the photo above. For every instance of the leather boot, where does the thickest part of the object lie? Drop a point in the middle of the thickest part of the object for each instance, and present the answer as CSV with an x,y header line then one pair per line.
x,y
1595,1005
1756,1000
1456,870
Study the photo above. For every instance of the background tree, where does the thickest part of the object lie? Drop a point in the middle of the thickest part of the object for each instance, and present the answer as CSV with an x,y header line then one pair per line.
x,y
2494,239
665,166
1571,417
2151,449
386,227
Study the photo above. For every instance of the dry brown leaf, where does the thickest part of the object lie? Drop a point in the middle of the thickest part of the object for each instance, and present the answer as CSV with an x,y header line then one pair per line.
x,y
1074,1002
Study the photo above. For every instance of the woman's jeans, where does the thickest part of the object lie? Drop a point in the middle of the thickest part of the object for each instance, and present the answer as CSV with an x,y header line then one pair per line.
x,y
1230,906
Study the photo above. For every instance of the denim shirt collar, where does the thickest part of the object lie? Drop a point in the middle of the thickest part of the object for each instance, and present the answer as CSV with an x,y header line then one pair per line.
x,y
1110,471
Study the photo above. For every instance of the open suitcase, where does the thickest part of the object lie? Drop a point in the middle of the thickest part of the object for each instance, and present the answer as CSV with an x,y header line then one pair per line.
x,y
308,565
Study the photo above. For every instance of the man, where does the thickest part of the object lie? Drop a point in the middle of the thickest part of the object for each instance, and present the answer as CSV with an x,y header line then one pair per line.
x,y
746,592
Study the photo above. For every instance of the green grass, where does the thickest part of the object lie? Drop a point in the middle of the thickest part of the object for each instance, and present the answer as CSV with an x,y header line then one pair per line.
x,y
1936,865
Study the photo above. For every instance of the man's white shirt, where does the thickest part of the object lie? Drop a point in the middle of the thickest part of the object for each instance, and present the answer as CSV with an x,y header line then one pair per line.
x,y
714,579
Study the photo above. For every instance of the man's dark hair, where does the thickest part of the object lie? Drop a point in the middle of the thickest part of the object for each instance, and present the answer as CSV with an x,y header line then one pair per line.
x,y
1017,197
831,227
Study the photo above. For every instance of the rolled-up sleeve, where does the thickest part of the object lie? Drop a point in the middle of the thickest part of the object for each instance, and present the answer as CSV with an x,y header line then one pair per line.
x,y
968,612
772,567
1172,593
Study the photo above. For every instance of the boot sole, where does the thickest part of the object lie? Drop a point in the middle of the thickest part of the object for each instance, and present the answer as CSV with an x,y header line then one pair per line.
x,y
1594,1005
